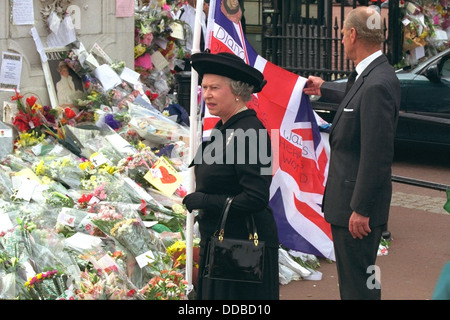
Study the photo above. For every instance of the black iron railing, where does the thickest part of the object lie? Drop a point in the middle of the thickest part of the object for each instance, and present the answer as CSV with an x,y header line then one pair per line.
x,y
304,36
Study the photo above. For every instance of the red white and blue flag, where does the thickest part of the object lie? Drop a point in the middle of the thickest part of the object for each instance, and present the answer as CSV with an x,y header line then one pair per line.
x,y
300,157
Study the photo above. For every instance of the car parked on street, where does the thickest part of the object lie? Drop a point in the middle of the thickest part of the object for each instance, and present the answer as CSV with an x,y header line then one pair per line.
x,y
425,102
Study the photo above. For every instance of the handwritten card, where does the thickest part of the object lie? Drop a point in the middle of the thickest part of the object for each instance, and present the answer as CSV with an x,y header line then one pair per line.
x,y
177,30
23,12
164,177
159,61
107,76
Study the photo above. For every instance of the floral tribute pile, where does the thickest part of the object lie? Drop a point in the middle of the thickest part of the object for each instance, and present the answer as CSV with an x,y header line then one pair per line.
x,y
90,197
426,29
80,215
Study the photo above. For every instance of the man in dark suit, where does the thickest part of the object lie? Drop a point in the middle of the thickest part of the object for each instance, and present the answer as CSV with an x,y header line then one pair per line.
x,y
358,192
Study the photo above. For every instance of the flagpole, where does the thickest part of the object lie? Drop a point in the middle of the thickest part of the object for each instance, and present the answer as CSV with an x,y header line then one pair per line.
x,y
193,143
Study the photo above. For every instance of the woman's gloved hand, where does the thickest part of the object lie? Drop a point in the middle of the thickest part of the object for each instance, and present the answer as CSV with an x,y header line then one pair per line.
x,y
195,200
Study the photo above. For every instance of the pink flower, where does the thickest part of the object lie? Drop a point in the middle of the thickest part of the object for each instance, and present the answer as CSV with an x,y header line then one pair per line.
x,y
436,20
147,39
144,61
181,191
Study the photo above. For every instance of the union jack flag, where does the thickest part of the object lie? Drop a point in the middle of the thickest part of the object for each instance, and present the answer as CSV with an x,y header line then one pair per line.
x,y
300,156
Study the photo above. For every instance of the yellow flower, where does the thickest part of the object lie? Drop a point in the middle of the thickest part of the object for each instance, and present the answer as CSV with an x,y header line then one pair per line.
x,y
182,258
141,145
139,50
119,224
424,34
65,162
84,165
29,139
178,208
93,95
110,169
176,247
40,168
36,106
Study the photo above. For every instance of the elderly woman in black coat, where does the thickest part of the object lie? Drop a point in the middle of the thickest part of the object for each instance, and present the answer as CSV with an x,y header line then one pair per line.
x,y
234,162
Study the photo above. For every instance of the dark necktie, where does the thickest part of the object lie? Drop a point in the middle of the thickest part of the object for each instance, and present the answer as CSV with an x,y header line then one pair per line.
x,y
351,80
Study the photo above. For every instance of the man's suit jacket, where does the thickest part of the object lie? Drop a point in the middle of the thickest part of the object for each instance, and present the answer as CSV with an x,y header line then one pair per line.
x,y
362,145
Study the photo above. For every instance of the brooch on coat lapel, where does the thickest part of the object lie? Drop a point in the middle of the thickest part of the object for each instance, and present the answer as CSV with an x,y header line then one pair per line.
x,y
229,138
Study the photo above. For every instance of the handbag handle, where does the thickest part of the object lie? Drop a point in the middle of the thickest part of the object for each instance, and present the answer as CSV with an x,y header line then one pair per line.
x,y
251,228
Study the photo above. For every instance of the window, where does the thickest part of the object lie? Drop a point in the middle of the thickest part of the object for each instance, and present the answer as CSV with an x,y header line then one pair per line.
x,y
253,16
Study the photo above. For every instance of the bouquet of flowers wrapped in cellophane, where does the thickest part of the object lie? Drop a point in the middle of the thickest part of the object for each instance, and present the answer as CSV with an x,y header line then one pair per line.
x,y
47,285
56,270
15,248
45,269
122,223
155,127
14,162
5,183
104,277
168,282
137,165
133,170
97,171
64,169
12,275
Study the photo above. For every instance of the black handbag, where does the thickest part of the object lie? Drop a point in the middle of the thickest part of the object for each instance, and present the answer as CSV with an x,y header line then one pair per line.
x,y
235,259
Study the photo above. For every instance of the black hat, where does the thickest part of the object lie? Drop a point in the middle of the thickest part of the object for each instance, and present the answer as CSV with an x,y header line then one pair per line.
x,y
228,65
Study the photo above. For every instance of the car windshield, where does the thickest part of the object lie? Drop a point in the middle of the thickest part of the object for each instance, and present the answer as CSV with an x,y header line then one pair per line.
x,y
426,62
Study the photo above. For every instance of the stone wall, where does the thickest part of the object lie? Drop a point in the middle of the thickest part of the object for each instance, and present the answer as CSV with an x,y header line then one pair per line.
x,y
95,22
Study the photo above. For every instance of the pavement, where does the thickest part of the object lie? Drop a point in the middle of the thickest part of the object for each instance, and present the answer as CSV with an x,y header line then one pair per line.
x,y
420,247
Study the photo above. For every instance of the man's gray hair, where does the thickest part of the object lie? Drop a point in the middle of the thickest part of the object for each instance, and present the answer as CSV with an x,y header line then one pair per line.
x,y
367,23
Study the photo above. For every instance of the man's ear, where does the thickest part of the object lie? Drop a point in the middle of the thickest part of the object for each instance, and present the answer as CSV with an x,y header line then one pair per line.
x,y
353,35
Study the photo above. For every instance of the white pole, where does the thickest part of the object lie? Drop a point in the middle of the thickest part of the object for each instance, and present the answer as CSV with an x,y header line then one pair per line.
x,y
193,142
